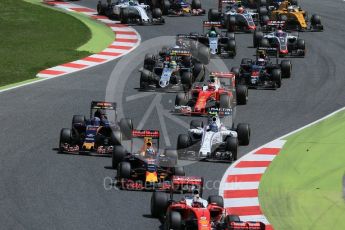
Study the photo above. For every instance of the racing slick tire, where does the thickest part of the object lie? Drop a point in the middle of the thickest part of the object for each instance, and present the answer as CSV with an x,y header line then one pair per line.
x,y
232,218
78,119
126,127
124,15
172,154
277,77
241,94
264,43
235,71
262,3
243,134
231,145
180,99
257,37
165,7
265,19
157,13
301,46
116,137
315,20
230,22
213,15
199,72
123,170
286,66
294,2
186,80
218,200
101,8
194,124
118,155
179,171
224,101
196,4
65,138
187,61
145,77
263,10
174,220
159,204
231,47
183,141
204,54
230,36
149,62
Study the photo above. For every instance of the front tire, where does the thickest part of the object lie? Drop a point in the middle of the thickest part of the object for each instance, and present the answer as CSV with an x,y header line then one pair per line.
x,y
243,132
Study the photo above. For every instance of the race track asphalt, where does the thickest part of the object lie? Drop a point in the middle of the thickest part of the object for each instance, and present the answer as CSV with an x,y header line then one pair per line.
x,y
41,189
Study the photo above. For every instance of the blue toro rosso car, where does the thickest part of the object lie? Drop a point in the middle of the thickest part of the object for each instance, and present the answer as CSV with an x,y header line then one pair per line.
x,y
97,135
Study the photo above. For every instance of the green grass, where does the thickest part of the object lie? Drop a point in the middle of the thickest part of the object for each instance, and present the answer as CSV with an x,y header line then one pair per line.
x,y
302,188
34,38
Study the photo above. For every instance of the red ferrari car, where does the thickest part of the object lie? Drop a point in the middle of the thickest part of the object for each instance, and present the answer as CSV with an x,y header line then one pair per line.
x,y
193,212
220,92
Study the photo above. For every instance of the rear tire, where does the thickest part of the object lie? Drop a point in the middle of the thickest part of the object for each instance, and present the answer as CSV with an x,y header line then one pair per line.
x,y
165,7
218,200
183,141
172,154
196,4
199,72
257,37
179,171
126,126
213,15
118,155
186,80
242,94
264,43
224,101
180,99
204,55
157,13
231,47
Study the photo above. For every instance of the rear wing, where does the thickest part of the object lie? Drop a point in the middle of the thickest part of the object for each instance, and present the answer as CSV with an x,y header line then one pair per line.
x,y
271,51
103,105
187,183
223,74
180,52
221,111
211,24
145,133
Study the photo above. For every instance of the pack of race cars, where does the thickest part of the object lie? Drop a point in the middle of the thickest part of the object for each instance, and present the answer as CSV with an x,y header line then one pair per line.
x,y
181,69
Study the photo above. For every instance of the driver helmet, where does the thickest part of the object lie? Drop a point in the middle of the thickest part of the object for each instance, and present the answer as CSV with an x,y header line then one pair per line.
x,y
212,79
173,65
279,32
212,33
240,9
150,152
262,55
179,42
131,2
213,126
211,86
290,8
95,121
197,202
261,62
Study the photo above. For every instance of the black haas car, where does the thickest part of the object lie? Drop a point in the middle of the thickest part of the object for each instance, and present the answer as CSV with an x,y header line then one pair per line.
x,y
97,135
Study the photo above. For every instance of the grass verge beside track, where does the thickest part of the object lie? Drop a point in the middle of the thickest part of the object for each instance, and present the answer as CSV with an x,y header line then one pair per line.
x,y
302,188
34,38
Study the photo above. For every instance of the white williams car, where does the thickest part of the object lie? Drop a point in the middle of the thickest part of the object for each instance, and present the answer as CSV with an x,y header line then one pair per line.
x,y
214,141
130,11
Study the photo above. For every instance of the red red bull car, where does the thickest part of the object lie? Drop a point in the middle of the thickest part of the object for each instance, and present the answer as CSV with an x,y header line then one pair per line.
x,y
193,212
220,92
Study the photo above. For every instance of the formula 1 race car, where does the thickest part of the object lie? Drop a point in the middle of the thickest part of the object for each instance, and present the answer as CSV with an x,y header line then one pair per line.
x,y
262,72
144,167
221,92
97,135
215,141
295,18
234,17
285,43
173,69
130,11
220,43
179,7
193,212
